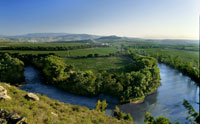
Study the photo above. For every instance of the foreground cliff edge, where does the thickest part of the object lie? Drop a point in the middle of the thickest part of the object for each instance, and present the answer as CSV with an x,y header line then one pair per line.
x,y
46,110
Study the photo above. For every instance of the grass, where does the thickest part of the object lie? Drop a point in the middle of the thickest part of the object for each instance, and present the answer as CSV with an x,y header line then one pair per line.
x,y
102,51
22,44
70,53
100,63
40,112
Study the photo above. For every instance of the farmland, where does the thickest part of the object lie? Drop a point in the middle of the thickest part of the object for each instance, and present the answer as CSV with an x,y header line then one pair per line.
x,y
99,64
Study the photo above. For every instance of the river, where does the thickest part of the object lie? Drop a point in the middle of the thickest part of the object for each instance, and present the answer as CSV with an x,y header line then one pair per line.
x,y
166,101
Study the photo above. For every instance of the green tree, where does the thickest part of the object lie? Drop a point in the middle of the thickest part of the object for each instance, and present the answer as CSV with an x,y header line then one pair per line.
x,y
11,69
53,68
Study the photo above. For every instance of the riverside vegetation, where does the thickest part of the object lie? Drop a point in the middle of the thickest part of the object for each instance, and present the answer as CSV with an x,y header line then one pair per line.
x,y
141,77
129,83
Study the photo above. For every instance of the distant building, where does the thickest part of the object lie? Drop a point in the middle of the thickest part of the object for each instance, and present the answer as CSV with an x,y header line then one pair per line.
x,y
99,44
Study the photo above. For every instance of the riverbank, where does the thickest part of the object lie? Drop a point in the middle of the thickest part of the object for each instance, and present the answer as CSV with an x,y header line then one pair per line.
x,y
168,98
141,99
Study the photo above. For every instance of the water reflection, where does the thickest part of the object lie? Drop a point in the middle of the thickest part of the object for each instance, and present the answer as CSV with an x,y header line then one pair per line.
x,y
168,99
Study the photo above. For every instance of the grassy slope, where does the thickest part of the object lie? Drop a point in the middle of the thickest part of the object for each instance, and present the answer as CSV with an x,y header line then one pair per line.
x,y
40,111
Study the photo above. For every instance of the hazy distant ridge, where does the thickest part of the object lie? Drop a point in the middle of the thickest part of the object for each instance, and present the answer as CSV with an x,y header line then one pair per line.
x,y
54,37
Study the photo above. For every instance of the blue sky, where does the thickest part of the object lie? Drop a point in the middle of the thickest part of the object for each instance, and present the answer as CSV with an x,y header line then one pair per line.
x,y
133,18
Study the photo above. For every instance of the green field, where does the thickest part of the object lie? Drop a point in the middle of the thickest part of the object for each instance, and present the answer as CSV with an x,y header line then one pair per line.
x,y
100,63
18,44
188,53
102,51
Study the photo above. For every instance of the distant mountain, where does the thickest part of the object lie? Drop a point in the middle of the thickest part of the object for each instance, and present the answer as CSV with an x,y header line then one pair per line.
x,y
66,37
39,35
72,37
50,37
178,41
3,36
112,37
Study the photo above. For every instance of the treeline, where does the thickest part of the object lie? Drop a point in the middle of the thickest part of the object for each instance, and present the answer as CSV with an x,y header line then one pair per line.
x,y
149,45
143,78
96,55
48,48
187,68
11,69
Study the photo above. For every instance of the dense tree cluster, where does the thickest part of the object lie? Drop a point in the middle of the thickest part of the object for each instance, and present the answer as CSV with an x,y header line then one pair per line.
x,y
11,69
53,68
142,77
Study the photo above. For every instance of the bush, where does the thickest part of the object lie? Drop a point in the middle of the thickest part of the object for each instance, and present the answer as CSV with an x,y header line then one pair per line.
x,y
11,69
120,115
101,106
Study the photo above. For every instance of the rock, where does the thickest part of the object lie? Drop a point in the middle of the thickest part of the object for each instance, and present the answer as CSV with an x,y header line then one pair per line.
x,y
3,114
11,118
3,91
3,94
3,121
54,114
32,96
16,119
5,97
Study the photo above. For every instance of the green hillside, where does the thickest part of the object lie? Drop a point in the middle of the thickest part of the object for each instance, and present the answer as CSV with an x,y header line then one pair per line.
x,y
51,111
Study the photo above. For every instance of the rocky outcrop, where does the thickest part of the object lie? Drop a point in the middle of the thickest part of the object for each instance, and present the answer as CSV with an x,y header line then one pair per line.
x,y
32,96
11,118
3,94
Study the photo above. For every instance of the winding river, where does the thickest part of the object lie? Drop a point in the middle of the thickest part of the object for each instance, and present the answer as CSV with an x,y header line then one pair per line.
x,y
166,101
